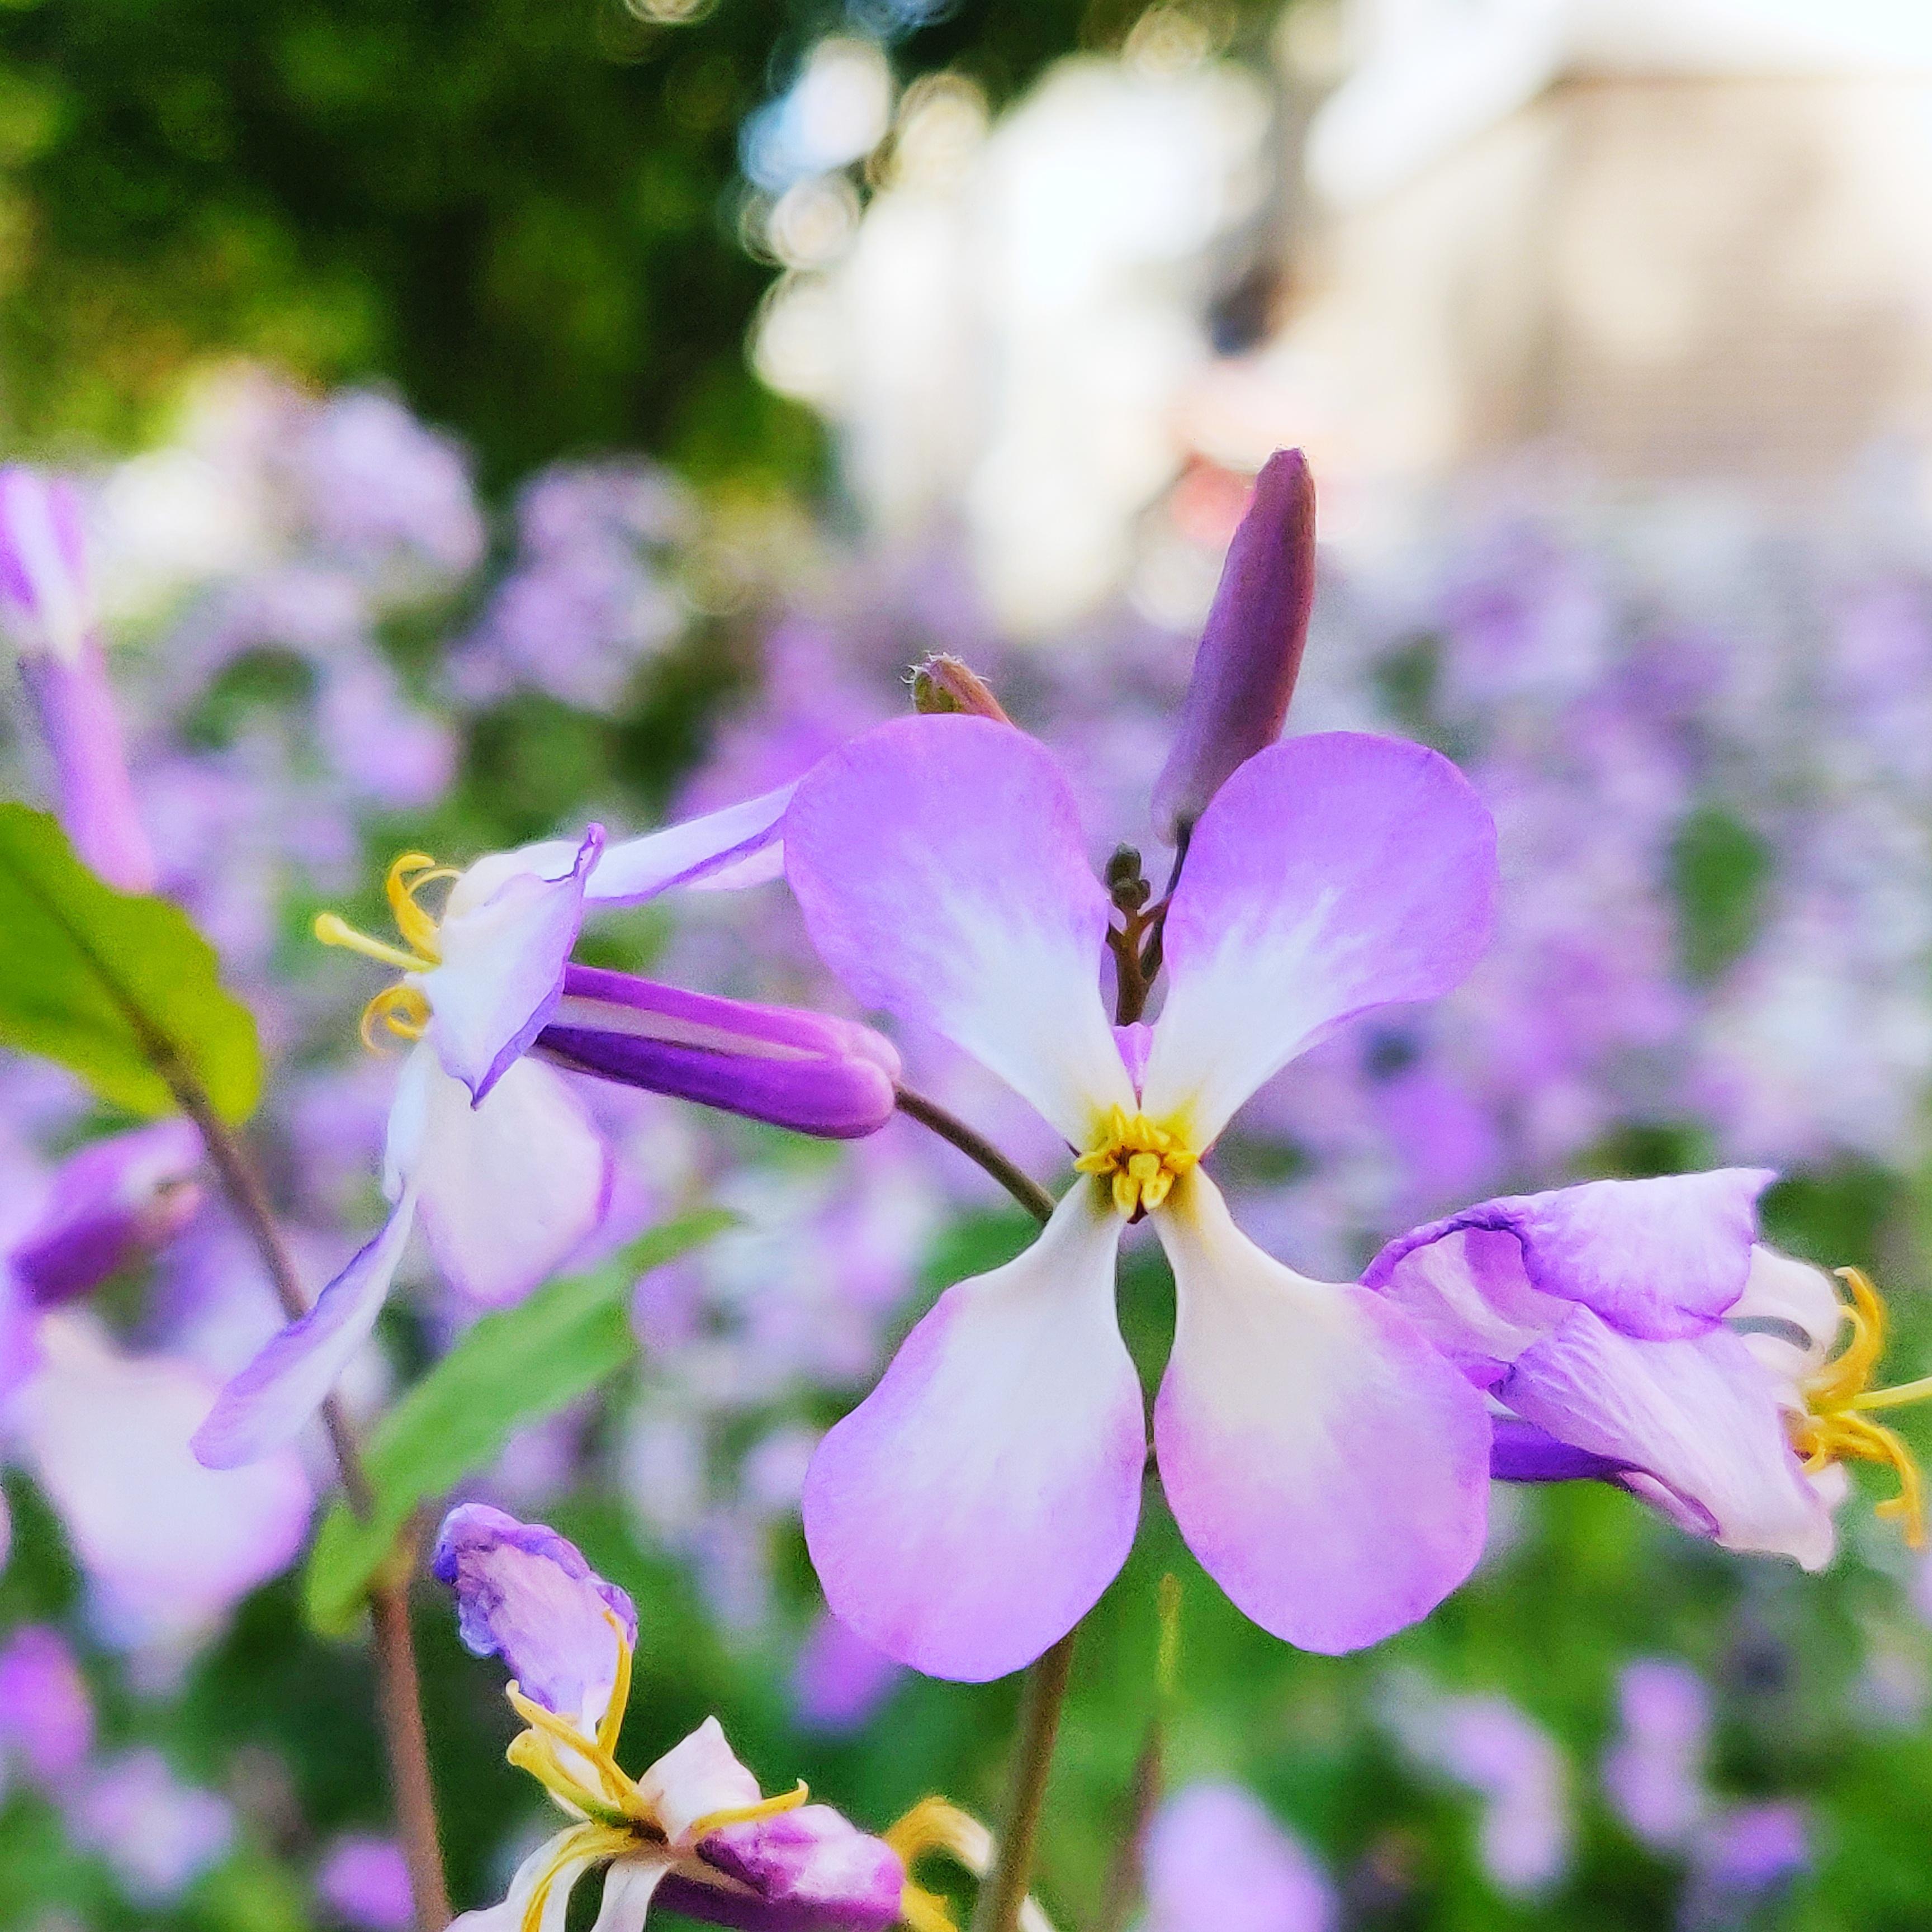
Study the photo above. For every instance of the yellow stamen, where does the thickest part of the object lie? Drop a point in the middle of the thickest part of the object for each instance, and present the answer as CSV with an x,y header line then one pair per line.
x,y
1141,1161
591,1841
743,1814
407,877
402,1009
618,1786
620,1690
530,1751
1833,1429
332,929
923,1911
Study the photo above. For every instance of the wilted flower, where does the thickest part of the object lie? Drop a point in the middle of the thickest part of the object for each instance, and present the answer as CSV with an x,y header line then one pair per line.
x,y
692,1832
1322,1461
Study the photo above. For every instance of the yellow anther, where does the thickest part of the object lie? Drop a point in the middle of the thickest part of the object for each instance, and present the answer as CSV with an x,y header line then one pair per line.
x,y
744,1814
587,1841
617,1786
530,1751
401,1010
407,877
620,1689
1834,1428
1142,1161
923,1911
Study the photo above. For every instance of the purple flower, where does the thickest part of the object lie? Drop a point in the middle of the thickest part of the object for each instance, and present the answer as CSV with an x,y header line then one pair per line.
x,y
158,1834
47,1715
1635,1330
363,1881
1654,1773
489,1150
169,1546
47,607
1322,1462
1216,1861
693,1831
111,1204
1250,651
1743,1860
839,1680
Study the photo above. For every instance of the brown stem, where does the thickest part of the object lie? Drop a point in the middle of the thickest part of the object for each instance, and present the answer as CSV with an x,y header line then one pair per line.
x,y
1021,1186
398,1695
399,1699
1125,1873
998,1907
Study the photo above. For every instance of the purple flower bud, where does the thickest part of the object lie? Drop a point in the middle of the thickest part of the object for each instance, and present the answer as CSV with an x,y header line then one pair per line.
x,y
47,609
943,685
112,1204
1250,651
807,1071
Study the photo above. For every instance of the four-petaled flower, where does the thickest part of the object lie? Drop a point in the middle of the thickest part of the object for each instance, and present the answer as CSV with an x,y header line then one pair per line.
x,y
1326,1464
692,1832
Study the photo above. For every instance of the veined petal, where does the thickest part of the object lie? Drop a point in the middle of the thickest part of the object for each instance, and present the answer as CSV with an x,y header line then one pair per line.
x,y
502,964
526,1594
1701,1417
971,1511
507,1188
629,1885
1327,1467
271,1401
559,1862
1657,1258
940,864
697,1776
806,1871
1329,874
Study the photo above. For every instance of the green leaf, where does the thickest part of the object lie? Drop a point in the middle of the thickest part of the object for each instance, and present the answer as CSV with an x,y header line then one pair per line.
x,y
114,987
1721,871
511,1369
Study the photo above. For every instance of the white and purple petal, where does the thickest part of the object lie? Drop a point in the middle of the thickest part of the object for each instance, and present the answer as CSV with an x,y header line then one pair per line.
x,y
1657,1258
1331,874
944,877
806,1871
506,1189
974,1506
526,1595
266,1406
1330,1469
699,1775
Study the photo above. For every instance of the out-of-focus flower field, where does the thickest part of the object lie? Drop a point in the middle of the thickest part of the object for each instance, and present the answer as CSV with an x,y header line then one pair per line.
x,y
490,420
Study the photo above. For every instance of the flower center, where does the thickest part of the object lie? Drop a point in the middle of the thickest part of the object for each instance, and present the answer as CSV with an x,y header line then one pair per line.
x,y
402,1010
1835,1428
1142,1160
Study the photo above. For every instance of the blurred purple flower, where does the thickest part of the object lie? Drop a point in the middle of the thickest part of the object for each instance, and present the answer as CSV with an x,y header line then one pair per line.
x,y
838,1681
1744,1860
1654,1773
1216,1860
158,1835
46,1713
363,1881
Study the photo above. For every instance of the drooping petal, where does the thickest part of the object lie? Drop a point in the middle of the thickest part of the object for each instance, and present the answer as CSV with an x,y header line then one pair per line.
x,y
526,1595
269,1403
1657,1258
112,1204
170,1543
942,875
1250,654
700,849
972,1509
806,1871
553,1867
698,1775
502,965
507,1189
1699,1417
1327,1467
1217,1861
811,1072
1331,874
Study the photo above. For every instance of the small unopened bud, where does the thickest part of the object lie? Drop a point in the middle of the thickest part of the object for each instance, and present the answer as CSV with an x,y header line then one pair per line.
x,y
942,684
1250,653
1126,883
811,1072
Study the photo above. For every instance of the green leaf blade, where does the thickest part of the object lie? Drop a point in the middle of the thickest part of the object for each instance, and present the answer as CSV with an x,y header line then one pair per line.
x,y
116,987
512,1369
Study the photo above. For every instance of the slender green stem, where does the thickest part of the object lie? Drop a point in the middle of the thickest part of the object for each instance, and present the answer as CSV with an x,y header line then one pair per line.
x,y
1004,1892
1021,1186
398,1687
